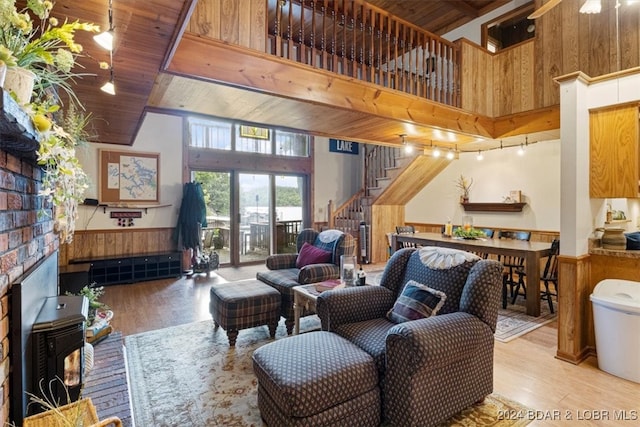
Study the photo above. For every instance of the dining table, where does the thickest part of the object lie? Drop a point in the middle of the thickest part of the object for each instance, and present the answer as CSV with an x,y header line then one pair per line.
x,y
532,252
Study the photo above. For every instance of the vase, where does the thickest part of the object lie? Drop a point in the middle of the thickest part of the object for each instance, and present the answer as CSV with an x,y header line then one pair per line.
x,y
3,73
19,81
614,238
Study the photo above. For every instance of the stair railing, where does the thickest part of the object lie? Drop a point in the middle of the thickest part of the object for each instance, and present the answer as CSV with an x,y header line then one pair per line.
x,y
348,216
378,159
359,40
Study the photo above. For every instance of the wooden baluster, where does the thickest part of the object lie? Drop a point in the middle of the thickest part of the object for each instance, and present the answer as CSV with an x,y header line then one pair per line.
x,y
395,53
343,44
290,43
278,30
439,68
403,68
432,71
334,24
312,35
302,48
362,66
370,54
354,40
323,41
380,79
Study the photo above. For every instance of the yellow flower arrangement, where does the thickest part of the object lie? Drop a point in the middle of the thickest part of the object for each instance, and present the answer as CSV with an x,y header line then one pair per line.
x,y
34,40
48,49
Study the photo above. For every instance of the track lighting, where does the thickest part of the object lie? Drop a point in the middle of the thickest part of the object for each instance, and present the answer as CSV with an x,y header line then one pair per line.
x,y
435,152
450,154
408,148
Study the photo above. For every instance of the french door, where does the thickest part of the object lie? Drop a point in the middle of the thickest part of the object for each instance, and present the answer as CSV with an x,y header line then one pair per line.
x,y
252,215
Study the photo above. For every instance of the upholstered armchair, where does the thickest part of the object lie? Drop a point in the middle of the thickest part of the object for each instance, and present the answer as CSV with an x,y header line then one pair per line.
x,y
430,367
317,259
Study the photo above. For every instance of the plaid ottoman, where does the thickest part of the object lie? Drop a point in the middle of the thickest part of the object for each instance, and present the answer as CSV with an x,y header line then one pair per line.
x,y
244,304
316,379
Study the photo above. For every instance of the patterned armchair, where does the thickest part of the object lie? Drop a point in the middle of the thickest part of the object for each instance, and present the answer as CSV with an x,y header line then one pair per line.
x,y
430,368
283,274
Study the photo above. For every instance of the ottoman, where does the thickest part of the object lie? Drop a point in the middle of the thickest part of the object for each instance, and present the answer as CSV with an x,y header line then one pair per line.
x,y
316,379
244,304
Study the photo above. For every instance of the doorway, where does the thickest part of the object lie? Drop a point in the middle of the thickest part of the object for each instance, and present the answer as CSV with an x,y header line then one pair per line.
x,y
252,215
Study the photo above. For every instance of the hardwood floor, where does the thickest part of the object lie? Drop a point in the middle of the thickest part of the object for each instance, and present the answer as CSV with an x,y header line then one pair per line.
x,y
526,369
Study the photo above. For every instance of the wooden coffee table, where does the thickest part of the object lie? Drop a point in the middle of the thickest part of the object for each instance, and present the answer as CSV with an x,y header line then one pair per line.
x,y
305,298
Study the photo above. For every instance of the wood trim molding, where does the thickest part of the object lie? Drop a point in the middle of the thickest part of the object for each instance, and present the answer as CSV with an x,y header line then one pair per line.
x,y
574,308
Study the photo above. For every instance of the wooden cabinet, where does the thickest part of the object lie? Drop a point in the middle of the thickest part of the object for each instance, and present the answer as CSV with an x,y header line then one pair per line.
x,y
131,269
614,168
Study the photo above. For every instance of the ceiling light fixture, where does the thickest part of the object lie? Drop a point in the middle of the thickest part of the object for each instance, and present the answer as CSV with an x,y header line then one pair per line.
x,y
436,152
105,39
450,154
109,87
591,6
480,157
521,150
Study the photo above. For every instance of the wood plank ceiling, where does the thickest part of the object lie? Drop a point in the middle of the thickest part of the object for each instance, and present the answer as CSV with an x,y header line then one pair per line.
x,y
145,33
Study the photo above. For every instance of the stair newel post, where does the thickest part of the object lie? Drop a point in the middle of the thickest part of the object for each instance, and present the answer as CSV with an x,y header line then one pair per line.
x,y
330,211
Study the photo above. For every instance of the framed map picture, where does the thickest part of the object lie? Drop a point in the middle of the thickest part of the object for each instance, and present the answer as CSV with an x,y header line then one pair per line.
x,y
129,177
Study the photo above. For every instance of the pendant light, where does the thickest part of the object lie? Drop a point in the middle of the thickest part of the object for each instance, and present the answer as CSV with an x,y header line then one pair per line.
x,y
105,40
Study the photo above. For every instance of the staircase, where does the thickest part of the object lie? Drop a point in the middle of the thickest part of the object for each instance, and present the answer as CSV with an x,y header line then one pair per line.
x,y
382,166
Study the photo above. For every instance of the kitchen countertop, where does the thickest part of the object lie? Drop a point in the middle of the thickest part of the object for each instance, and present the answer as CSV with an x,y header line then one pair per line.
x,y
595,248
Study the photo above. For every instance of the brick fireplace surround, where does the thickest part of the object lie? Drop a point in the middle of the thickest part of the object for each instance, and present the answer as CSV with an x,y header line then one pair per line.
x,y
26,236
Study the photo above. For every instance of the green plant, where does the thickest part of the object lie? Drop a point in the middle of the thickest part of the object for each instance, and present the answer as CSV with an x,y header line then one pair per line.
x,y
218,240
92,293
471,233
48,48
64,181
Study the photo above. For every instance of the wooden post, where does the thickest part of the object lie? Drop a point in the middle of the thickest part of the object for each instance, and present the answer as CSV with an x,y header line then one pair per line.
x,y
330,209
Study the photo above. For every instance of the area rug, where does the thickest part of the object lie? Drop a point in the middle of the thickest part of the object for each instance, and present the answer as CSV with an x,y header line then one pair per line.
x,y
513,322
188,376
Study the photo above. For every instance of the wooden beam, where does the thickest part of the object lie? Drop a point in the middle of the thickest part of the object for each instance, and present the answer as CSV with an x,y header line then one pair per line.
x,y
264,73
544,119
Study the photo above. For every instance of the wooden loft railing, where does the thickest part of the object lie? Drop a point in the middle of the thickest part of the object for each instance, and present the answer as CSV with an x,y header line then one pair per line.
x,y
356,39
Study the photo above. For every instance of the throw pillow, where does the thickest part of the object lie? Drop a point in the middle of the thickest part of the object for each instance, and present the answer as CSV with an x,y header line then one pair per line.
x,y
309,254
417,301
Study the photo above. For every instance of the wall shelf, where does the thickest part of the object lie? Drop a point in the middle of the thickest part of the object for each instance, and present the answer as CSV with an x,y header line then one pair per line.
x,y
493,207
145,208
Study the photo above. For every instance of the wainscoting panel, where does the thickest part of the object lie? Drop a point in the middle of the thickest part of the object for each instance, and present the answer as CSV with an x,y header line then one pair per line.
x,y
97,244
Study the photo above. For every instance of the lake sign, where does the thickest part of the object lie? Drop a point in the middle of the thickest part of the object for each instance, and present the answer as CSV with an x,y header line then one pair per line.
x,y
342,146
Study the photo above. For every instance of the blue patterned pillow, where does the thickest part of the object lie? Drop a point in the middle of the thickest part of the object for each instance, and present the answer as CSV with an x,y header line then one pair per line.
x,y
417,301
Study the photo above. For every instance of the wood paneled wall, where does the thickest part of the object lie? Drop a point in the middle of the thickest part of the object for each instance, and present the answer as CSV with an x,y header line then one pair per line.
x,y
384,219
96,244
476,79
520,78
238,22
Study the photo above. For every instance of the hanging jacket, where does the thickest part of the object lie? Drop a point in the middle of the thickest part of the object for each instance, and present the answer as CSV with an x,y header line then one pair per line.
x,y
192,216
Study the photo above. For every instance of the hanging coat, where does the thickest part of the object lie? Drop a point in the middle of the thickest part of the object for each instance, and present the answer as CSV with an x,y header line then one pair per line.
x,y
192,216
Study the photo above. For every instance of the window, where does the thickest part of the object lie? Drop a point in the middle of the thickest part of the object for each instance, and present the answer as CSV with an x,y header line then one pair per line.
x,y
292,144
222,135
509,29
209,134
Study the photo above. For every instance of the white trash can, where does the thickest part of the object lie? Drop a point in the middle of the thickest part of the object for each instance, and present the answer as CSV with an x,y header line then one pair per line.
x,y
616,318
